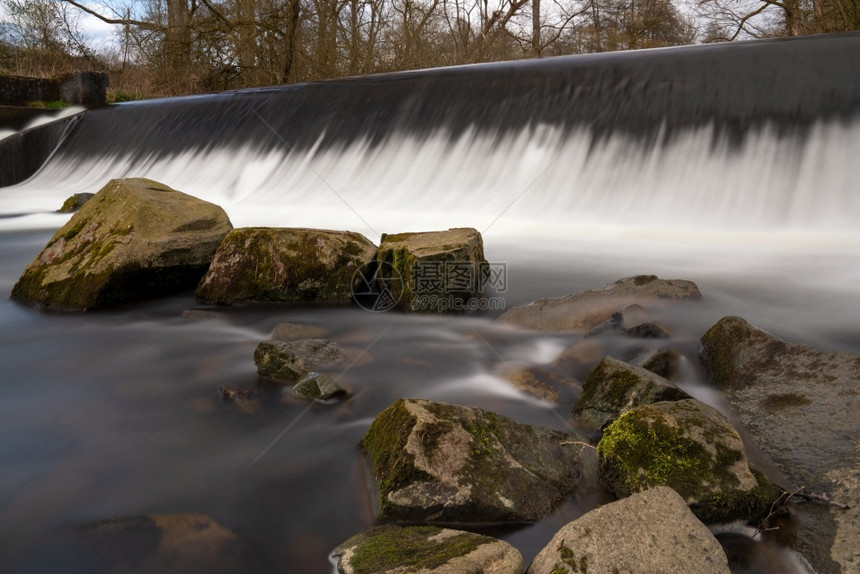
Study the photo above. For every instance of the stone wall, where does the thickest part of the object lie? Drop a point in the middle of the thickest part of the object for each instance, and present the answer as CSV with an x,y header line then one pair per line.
x,y
78,88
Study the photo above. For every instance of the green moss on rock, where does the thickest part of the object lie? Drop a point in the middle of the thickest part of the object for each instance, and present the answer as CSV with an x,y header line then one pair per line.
x,y
692,449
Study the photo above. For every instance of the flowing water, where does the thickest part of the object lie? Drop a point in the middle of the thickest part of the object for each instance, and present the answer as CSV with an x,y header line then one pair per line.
x,y
687,163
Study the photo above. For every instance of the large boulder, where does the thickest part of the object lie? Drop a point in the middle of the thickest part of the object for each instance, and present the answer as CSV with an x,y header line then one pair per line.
x,y
392,549
800,405
652,531
447,464
172,543
435,271
284,265
691,448
135,239
615,386
589,309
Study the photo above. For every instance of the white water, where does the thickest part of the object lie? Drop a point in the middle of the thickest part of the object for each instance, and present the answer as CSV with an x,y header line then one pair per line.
x,y
786,188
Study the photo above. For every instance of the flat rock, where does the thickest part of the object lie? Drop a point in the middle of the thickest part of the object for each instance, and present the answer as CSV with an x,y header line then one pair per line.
x,y
651,531
289,361
392,549
691,448
449,464
285,265
434,271
584,311
135,239
800,405
614,387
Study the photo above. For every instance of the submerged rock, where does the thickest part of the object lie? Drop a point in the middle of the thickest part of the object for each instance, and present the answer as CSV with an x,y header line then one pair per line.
x,y
445,464
544,383
168,544
294,331
435,271
800,405
589,309
614,387
318,387
75,202
290,361
285,264
135,239
244,399
392,549
652,531
691,448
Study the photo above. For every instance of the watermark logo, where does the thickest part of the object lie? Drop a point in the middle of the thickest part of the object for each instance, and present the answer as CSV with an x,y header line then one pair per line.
x,y
377,286
434,286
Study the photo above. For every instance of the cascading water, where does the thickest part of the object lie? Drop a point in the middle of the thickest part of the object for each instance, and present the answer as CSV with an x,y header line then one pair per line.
x,y
733,165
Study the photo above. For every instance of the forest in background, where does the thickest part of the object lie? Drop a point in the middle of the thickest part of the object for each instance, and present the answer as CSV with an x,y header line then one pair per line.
x,y
175,47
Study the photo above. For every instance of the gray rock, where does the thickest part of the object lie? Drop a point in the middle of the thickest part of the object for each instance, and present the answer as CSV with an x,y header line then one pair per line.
x,y
289,361
614,387
285,264
586,310
446,464
432,272
168,544
319,387
135,239
391,549
652,531
691,448
800,405
75,202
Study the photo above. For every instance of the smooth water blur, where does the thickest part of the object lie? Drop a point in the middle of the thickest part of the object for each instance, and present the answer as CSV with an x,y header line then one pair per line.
x,y
116,414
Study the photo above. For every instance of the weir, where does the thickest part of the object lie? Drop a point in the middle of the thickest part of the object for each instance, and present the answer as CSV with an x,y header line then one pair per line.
x,y
747,135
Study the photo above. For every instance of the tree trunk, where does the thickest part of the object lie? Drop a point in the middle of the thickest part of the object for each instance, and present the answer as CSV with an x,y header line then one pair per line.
x,y
177,46
536,42
291,37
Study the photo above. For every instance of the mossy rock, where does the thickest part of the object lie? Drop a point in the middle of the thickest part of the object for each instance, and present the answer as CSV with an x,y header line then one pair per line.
x,y
134,240
611,539
691,448
434,271
582,312
427,549
450,464
288,362
285,265
75,202
614,387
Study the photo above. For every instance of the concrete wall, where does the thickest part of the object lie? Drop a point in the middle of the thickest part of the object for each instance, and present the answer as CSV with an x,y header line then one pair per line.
x,y
78,88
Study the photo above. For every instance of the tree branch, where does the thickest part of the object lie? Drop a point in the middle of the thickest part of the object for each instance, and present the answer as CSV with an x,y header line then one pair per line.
x,y
105,19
